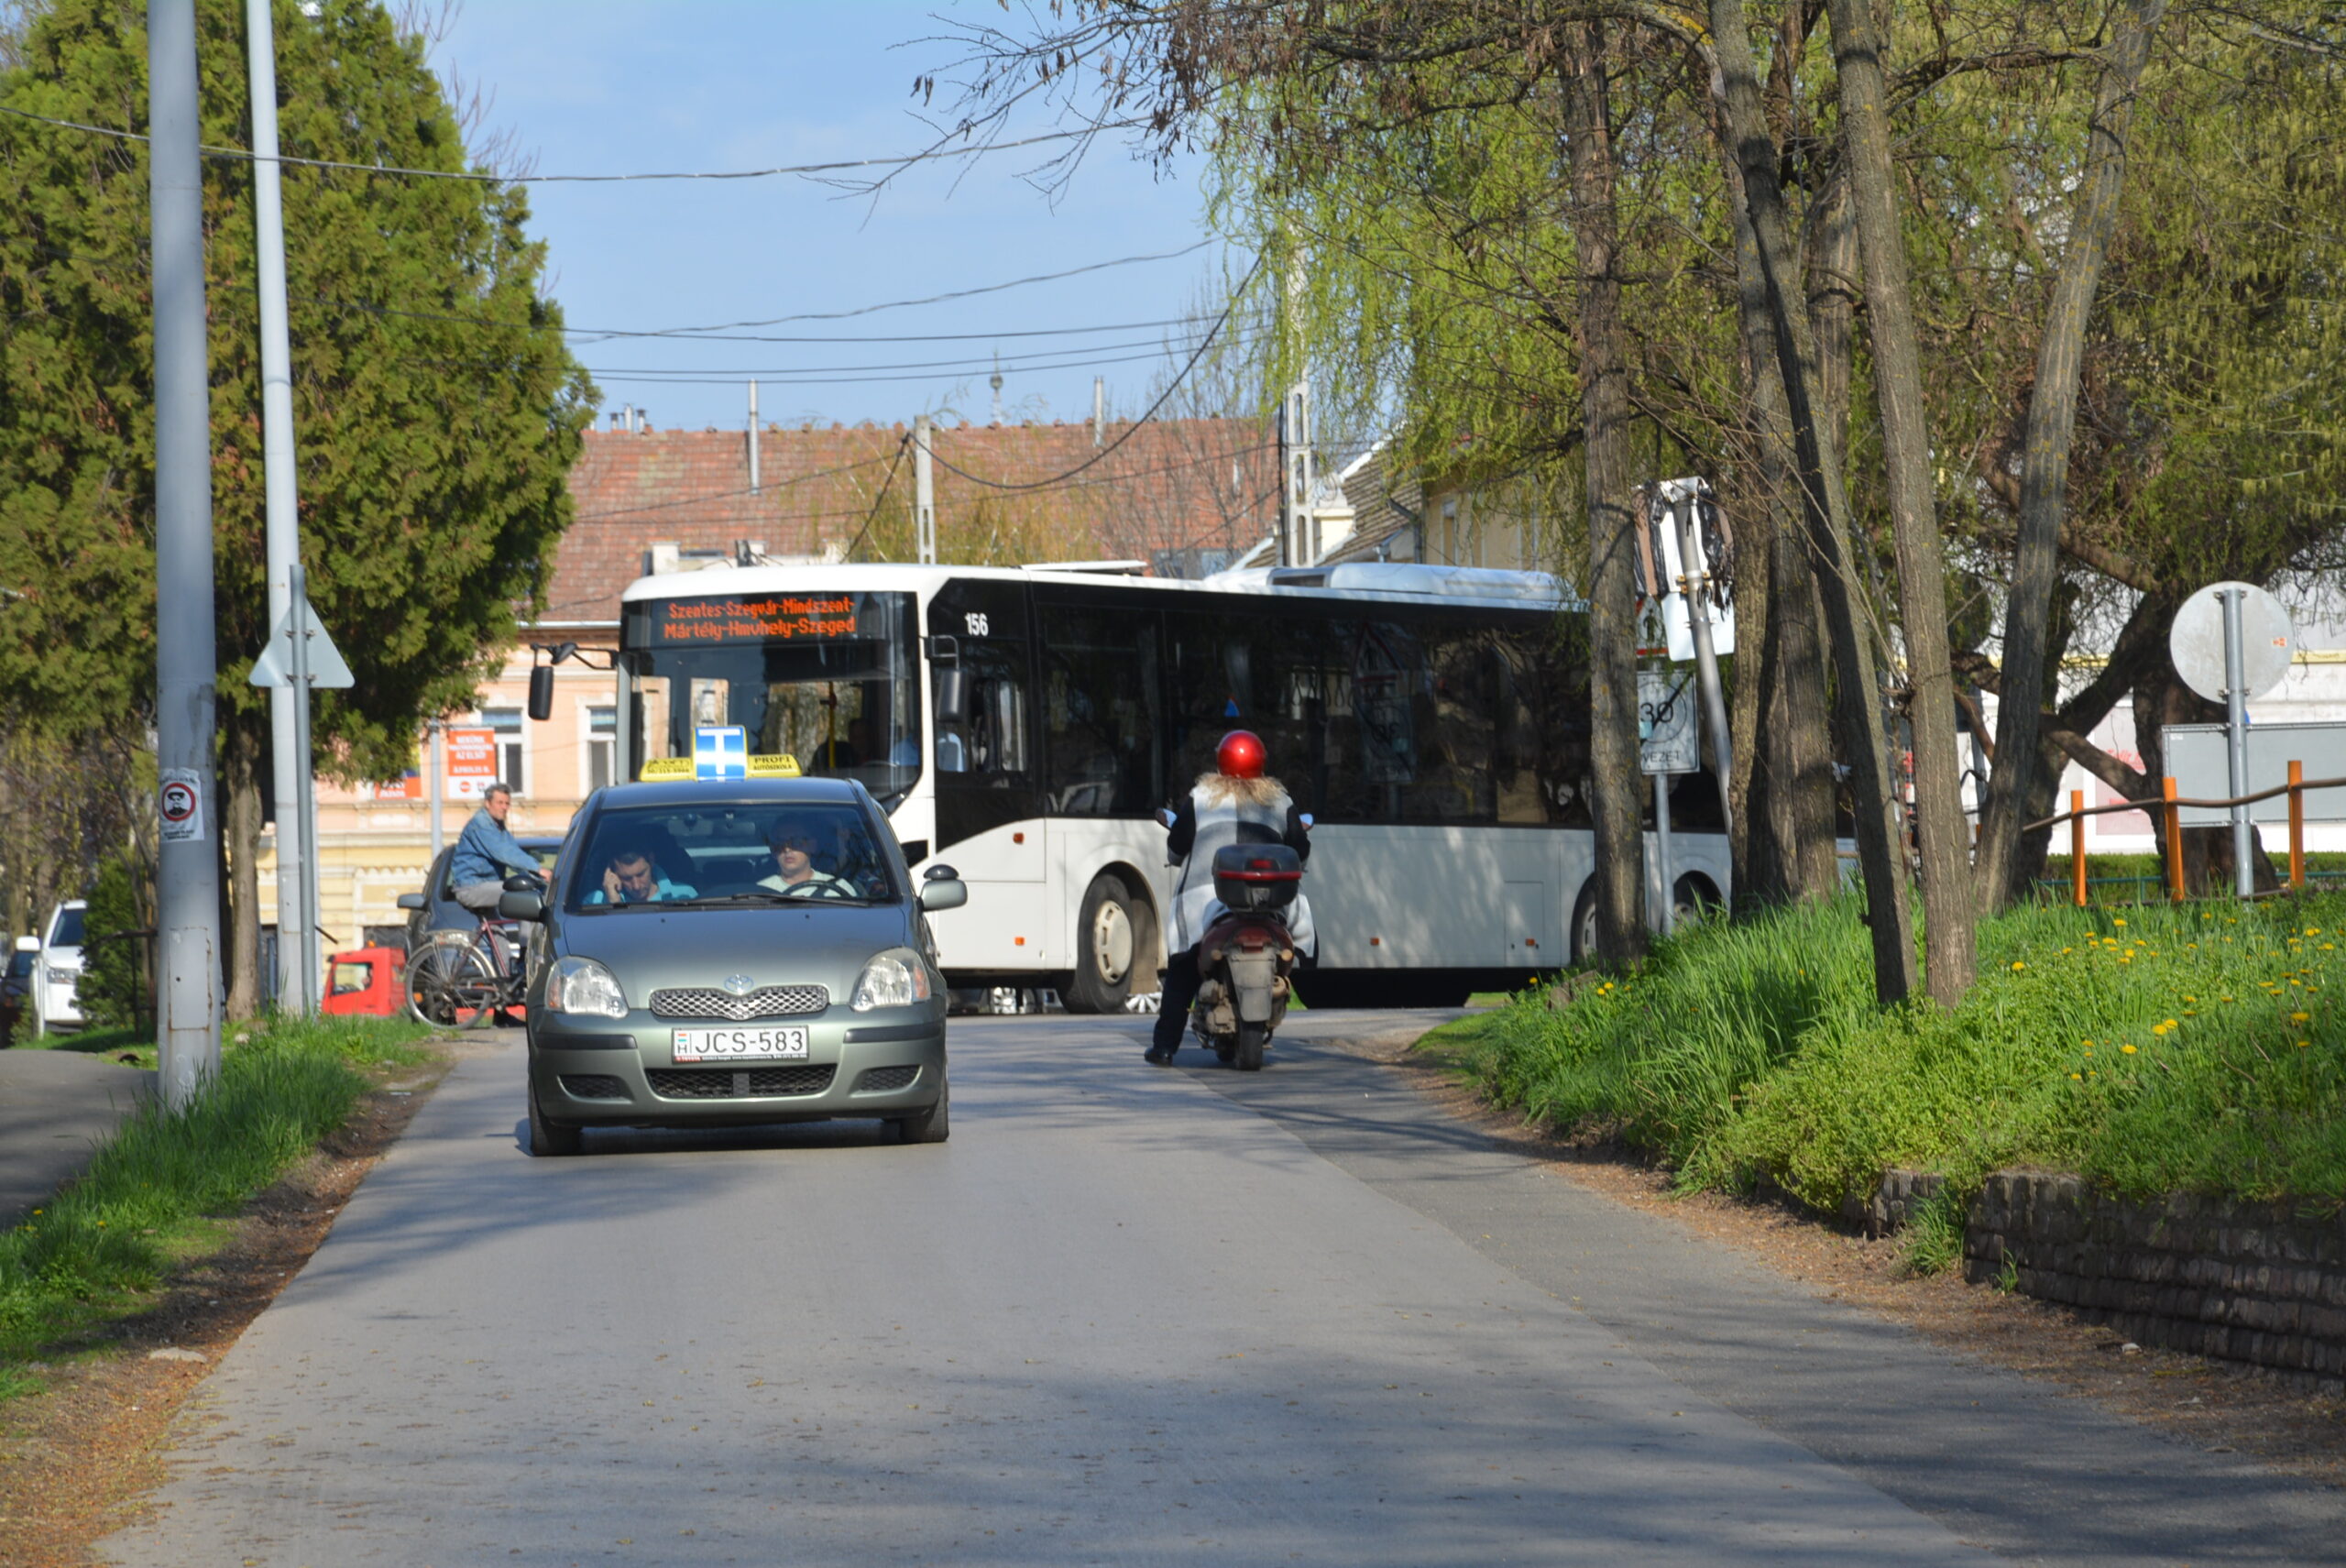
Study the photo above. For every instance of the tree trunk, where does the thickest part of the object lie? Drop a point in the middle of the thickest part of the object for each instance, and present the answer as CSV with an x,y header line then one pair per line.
x,y
240,835
1951,957
1792,744
1824,510
1612,509
2052,420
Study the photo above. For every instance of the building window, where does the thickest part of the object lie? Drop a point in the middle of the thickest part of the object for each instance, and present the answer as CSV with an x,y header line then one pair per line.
x,y
507,723
602,728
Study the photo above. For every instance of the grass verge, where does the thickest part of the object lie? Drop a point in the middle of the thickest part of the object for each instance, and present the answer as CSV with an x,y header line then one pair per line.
x,y
166,1186
2155,1049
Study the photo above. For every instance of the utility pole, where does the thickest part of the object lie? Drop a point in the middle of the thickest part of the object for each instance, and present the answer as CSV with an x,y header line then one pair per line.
x,y
1099,411
924,494
188,865
1295,544
435,761
296,878
754,424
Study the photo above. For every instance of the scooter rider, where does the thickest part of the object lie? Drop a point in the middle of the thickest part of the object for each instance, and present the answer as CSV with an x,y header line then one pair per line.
x,y
1235,804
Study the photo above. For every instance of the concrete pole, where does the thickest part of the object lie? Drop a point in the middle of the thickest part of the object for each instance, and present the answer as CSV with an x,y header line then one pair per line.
x,y
290,766
753,426
1099,411
924,496
187,866
1663,851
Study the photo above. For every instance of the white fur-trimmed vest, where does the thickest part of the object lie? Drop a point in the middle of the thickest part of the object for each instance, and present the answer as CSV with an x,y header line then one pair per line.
x,y
1221,823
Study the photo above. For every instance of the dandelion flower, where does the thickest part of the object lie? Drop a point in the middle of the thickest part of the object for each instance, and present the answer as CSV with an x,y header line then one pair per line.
x,y
2303,1044
2078,1076
2120,922
2313,930
2129,1050
2018,966
2299,1018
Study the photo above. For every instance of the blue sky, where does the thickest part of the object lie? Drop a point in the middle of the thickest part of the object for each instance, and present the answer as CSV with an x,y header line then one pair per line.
x,y
717,85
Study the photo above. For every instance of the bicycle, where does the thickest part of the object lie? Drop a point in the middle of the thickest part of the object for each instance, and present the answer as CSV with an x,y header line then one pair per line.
x,y
461,980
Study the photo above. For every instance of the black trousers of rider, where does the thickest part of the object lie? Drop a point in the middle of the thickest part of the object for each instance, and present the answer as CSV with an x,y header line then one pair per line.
x,y
1181,983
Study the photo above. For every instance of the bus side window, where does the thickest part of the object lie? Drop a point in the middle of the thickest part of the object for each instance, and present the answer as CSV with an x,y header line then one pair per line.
x,y
985,746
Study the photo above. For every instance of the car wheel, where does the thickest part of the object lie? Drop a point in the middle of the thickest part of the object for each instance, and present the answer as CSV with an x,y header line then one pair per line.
x,y
1107,940
1693,898
933,1125
550,1139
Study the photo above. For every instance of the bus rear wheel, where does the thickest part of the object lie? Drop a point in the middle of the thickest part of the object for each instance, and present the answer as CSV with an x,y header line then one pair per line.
x,y
1107,935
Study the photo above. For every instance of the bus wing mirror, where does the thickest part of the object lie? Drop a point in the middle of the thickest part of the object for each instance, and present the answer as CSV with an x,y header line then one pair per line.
x,y
542,691
953,694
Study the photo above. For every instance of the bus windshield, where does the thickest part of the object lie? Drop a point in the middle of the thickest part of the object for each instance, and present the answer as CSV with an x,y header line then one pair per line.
x,y
829,677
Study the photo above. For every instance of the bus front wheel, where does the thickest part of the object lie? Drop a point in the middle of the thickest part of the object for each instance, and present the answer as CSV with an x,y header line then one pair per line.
x,y
1107,947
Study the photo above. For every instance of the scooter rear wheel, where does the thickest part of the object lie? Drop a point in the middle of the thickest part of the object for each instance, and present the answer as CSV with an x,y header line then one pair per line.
x,y
1252,1038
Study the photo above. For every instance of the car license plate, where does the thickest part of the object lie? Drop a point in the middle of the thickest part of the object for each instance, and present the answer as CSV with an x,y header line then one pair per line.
x,y
740,1045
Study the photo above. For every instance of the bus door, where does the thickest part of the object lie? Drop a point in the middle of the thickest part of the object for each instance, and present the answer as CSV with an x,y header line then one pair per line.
x,y
990,822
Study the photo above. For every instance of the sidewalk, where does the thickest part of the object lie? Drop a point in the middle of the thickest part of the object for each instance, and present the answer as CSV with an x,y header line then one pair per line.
x,y
55,1106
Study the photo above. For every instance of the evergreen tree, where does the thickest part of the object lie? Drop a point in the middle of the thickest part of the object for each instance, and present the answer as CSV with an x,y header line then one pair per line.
x,y
436,410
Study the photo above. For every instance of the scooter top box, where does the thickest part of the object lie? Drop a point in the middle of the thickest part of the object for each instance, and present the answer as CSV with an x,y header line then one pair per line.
x,y
1257,876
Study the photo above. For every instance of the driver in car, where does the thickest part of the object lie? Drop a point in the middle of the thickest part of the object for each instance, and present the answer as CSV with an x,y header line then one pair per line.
x,y
632,876
793,843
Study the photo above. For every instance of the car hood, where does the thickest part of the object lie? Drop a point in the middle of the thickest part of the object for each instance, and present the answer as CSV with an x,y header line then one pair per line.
x,y
773,945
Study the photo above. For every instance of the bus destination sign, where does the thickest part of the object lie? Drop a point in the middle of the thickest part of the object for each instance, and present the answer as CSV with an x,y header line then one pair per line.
x,y
720,618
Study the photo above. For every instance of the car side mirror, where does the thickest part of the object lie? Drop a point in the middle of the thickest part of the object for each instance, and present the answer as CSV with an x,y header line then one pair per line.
x,y
942,888
412,901
529,906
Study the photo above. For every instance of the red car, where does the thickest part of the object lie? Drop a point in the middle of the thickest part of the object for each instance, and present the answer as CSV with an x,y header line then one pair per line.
x,y
365,983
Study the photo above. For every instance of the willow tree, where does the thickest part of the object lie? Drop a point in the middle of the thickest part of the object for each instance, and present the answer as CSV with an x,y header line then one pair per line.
x,y
436,409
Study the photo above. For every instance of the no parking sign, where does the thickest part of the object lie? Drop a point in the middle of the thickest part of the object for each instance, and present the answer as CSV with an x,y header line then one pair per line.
x,y
179,804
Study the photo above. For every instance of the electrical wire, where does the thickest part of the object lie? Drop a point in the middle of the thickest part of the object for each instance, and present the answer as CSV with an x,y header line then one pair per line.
x,y
1162,399
726,494
871,516
245,155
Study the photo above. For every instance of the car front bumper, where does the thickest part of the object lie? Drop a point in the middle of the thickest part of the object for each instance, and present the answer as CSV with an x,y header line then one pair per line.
x,y
623,1075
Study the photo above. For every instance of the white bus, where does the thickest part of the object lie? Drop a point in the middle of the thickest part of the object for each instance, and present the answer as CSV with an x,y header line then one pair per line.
x,y
1022,726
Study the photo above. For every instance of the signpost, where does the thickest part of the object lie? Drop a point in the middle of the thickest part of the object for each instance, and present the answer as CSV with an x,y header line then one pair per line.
x,y
1687,543
301,657
1670,740
2233,641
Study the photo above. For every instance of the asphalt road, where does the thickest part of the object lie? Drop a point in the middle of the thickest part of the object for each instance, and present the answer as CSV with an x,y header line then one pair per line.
x,y
1126,1316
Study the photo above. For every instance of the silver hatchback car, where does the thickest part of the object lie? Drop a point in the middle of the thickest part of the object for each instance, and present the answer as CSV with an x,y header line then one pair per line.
x,y
723,954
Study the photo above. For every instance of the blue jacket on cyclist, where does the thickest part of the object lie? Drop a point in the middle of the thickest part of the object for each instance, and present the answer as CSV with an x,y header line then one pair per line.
x,y
487,854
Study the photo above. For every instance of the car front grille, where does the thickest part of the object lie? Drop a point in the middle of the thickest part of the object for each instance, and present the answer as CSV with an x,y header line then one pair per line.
x,y
879,1080
593,1086
766,1002
735,1084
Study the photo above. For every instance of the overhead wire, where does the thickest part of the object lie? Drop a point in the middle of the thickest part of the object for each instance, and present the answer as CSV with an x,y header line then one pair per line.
x,y
936,153
871,516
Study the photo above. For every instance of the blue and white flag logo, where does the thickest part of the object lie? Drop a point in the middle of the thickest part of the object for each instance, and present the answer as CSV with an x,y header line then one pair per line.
x,y
720,751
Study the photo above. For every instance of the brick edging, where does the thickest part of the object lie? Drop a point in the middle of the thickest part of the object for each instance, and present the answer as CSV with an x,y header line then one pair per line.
x,y
2256,1282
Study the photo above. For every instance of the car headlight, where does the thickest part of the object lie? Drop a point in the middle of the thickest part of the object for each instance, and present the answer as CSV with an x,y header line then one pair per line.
x,y
62,976
891,979
582,986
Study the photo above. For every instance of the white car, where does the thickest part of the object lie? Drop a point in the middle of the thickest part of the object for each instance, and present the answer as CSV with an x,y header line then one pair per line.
x,y
55,1008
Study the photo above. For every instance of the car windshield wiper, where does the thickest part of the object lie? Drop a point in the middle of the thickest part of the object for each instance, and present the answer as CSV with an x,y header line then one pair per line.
x,y
767,896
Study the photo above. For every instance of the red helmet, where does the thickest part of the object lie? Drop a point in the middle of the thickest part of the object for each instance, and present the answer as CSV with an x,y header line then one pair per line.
x,y
1240,755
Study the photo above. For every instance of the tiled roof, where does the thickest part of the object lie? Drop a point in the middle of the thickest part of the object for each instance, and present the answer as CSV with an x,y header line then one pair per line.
x,y
1170,485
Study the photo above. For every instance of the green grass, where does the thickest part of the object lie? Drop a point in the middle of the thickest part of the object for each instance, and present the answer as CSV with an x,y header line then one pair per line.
x,y
2163,1048
138,1043
163,1188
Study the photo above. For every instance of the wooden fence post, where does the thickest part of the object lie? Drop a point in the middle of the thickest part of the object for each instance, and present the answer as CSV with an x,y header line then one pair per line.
x,y
2077,846
2174,826
2296,827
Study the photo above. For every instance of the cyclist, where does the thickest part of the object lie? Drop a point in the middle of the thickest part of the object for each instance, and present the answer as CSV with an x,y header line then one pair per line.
x,y
487,853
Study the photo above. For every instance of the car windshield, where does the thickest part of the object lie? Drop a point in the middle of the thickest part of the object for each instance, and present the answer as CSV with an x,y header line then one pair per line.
x,y
69,929
735,854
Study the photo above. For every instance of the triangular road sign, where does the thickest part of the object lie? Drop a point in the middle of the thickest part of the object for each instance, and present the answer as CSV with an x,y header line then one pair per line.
x,y
275,665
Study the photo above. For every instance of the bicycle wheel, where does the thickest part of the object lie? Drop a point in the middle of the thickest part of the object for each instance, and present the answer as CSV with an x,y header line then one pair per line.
x,y
450,983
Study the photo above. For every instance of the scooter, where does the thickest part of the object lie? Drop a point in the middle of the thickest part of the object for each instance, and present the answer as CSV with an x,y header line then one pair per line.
x,y
1247,956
